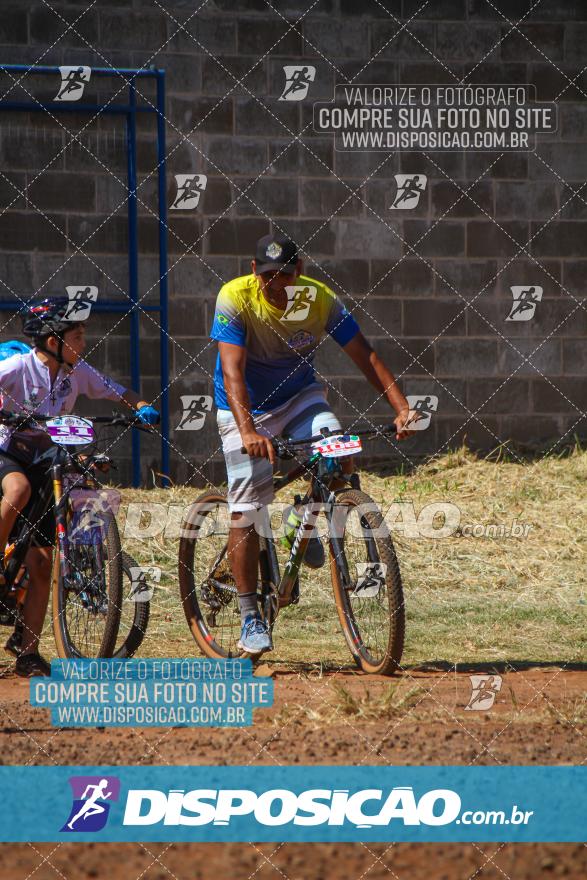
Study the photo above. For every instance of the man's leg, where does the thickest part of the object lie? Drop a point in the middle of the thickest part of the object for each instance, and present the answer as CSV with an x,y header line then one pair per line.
x,y
250,490
243,557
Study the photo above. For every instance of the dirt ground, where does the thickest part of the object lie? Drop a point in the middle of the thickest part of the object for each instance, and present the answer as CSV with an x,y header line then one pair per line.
x,y
539,717
319,718
293,861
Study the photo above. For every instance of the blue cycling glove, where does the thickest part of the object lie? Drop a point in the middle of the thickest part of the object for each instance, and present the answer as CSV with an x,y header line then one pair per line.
x,y
149,415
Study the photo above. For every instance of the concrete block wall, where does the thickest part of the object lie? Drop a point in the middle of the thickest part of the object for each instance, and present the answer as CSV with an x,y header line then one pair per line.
x,y
430,288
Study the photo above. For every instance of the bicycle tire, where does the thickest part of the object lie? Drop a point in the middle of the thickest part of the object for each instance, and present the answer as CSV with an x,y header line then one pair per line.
x,y
195,615
388,659
138,628
64,640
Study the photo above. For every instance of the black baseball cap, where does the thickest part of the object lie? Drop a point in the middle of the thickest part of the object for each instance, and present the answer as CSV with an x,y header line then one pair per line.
x,y
275,253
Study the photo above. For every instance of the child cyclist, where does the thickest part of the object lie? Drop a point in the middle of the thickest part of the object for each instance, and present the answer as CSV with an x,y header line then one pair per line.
x,y
47,380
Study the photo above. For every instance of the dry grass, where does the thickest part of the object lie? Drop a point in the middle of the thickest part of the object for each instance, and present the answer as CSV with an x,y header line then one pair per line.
x,y
468,599
339,703
571,712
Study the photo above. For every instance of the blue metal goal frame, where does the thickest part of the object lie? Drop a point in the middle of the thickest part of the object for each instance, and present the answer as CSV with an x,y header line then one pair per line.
x,y
130,109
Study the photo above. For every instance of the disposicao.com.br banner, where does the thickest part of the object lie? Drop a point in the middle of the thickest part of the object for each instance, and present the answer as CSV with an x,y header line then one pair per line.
x,y
296,803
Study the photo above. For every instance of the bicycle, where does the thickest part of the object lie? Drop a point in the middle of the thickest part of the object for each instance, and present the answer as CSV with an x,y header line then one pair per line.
x,y
88,563
134,608
368,595
133,625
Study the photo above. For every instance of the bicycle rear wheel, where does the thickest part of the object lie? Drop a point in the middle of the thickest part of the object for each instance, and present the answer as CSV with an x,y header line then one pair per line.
x,y
87,608
367,584
208,592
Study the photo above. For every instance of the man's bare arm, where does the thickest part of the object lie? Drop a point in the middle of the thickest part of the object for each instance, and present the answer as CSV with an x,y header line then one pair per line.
x,y
382,379
233,359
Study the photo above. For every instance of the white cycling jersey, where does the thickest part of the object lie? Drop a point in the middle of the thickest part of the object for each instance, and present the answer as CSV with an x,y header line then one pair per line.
x,y
25,385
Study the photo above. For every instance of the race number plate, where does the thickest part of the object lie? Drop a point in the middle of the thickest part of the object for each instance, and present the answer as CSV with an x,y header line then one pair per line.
x,y
70,430
343,444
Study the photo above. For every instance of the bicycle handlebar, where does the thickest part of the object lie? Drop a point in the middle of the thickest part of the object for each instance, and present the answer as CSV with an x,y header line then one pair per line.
x,y
12,418
23,419
285,448
121,421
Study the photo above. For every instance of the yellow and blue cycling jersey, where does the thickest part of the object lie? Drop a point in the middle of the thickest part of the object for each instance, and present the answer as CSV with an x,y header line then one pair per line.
x,y
280,345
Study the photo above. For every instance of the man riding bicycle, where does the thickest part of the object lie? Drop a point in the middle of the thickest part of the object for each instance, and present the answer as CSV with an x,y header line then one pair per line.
x,y
268,326
47,381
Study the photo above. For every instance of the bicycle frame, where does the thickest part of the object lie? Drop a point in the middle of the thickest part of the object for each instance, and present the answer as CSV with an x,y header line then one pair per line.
x,y
319,496
50,493
62,541
58,458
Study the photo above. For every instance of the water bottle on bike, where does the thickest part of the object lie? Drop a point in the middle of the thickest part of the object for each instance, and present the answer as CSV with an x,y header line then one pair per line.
x,y
292,517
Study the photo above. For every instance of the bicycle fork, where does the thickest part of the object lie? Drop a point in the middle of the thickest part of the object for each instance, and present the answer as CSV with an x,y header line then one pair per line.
x,y
335,532
61,521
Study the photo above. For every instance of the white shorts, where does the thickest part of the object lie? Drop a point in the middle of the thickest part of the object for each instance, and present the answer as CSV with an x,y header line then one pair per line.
x,y
250,480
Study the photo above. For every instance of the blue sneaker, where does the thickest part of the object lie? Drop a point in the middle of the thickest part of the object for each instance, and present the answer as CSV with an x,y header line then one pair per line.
x,y
255,636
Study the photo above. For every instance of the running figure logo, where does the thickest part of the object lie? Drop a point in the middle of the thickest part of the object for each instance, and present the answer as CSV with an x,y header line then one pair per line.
x,y
484,689
297,82
92,796
424,405
81,300
143,580
525,302
189,189
195,407
73,82
299,301
370,579
409,189
91,514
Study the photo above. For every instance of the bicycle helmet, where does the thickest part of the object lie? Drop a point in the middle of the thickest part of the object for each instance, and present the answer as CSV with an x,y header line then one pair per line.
x,y
48,318
12,347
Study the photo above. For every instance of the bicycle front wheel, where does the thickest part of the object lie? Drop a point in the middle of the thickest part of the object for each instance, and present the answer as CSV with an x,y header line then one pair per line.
x,y
87,604
134,614
208,591
367,583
